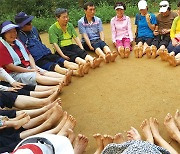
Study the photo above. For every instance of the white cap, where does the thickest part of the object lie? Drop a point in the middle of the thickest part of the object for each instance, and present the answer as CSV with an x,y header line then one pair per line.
x,y
163,6
119,7
142,4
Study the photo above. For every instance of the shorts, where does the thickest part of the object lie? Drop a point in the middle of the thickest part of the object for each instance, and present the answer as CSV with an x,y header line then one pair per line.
x,y
125,42
95,44
7,99
147,40
27,77
8,113
160,40
9,139
73,51
24,91
49,62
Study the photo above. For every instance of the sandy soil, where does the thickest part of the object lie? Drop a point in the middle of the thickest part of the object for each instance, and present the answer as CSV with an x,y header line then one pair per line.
x,y
116,96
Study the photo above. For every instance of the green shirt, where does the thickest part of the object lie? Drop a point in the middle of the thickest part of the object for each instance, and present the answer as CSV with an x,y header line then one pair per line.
x,y
57,35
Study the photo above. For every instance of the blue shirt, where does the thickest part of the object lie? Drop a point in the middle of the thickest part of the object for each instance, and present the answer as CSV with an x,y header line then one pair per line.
x,y
142,25
33,43
91,29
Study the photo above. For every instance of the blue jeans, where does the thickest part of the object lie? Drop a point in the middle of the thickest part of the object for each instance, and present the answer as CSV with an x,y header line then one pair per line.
x,y
171,48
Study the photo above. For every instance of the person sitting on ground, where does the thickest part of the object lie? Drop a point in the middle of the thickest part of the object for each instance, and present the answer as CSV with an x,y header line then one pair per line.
x,y
7,83
90,27
122,36
61,34
107,144
52,121
13,99
162,30
42,55
19,63
174,45
145,23
16,123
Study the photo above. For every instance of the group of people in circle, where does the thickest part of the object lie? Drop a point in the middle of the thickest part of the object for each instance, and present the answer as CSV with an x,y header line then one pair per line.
x,y
34,77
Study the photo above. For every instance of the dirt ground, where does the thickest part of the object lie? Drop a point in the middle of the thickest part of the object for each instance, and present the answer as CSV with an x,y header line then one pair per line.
x,y
116,96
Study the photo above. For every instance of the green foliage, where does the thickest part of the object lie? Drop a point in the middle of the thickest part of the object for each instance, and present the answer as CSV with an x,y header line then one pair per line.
x,y
43,10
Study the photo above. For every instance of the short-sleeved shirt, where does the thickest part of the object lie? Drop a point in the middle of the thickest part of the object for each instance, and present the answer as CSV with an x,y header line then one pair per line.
x,y
142,25
5,57
175,28
57,35
92,29
33,43
165,22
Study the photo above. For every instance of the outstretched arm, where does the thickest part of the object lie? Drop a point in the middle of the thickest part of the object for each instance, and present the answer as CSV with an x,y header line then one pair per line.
x,y
78,42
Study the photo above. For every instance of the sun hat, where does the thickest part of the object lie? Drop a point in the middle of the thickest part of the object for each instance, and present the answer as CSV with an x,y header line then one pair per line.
x,y
7,25
119,6
22,19
164,5
142,4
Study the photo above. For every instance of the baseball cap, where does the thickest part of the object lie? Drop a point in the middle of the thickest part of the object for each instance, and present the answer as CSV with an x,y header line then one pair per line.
x,y
142,4
163,6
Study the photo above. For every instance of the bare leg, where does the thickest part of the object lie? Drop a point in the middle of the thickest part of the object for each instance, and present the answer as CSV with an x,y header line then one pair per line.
x,y
119,138
70,124
60,125
70,135
41,94
49,81
44,88
171,127
43,117
177,118
99,142
133,134
100,53
16,124
147,131
70,65
60,70
27,102
48,124
157,137
107,139
35,112
80,144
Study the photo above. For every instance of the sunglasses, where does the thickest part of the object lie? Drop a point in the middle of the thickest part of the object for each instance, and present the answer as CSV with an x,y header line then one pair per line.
x,y
162,5
29,23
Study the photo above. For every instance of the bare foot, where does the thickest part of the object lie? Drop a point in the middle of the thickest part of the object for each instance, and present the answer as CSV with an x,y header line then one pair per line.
x,y
99,143
121,51
153,122
133,134
171,59
70,124
22,115
119,138
79,72
70,135
86,67
80,144
154,51
127,52
108,57
114,56
171,127
136,51
148,52
57,101
98,61
140,49
107,139
177,118
69,74
147,131
19,123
